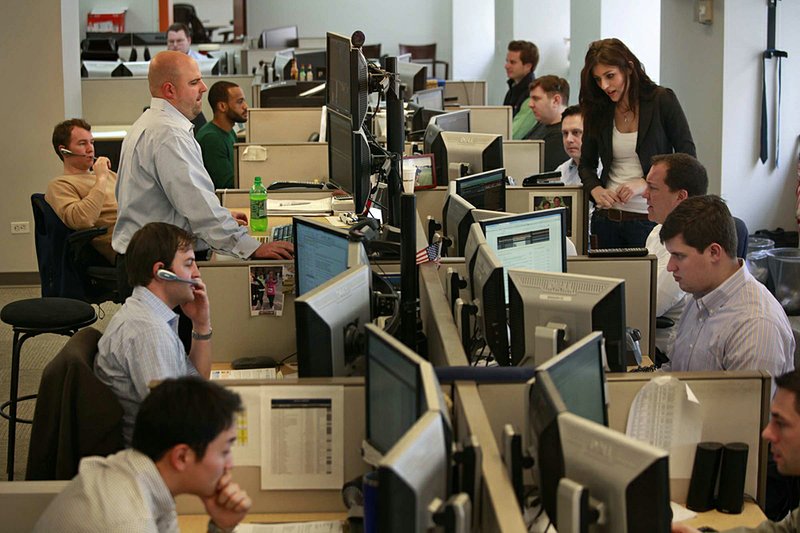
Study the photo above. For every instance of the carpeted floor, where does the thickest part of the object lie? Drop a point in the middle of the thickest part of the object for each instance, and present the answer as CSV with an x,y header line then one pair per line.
x,y
36,353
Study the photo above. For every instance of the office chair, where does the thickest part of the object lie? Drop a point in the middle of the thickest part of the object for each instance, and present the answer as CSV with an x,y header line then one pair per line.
x,y
187,14
76,414
69,266
425,53
742,237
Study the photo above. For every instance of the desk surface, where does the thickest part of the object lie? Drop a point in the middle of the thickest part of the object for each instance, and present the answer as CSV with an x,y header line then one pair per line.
x,y
199,523
750,516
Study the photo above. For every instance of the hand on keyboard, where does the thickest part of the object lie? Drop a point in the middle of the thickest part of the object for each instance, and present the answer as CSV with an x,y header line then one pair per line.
x,y
274,250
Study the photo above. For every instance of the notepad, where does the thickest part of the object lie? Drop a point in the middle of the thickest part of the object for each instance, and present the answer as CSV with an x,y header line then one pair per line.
x,y
250,373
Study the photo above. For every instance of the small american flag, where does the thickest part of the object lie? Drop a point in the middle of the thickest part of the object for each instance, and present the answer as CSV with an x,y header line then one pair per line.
x,y
431,252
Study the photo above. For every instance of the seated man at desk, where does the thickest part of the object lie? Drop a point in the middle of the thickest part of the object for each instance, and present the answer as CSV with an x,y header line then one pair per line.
x,y
572,138
783,434
83,197
179,40
549,98
141,342
672,179
521,61
731,321
161,172
181,445
216,138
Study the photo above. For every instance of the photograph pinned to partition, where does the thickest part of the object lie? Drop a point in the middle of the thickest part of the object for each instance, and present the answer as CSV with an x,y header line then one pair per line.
x,y
268,288
542,202
425,174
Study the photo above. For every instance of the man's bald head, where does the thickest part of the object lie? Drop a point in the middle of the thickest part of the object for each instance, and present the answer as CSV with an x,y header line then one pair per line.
x,y
166,66
175,77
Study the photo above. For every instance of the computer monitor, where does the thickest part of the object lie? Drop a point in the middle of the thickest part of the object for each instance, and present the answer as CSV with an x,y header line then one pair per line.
x,y
329,320
208,67
429,98
452,121
629,478
412,475
549,311
275,38
318,59
349,158
458,216
346,87
488,285
530,240
413,76
132,68
400,387
322,252
463,154
281,62
98,69
486,190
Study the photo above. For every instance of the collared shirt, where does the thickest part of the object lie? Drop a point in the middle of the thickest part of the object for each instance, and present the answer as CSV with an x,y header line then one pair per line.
x,y
140,344
194,54
569,172
162,179
120,493
737,326
670,299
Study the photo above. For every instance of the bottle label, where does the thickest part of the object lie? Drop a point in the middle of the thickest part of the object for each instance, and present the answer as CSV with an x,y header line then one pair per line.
x,y
258,208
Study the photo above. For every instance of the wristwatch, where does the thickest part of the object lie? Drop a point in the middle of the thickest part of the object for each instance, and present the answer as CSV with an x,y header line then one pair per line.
x,y
202,337
214,528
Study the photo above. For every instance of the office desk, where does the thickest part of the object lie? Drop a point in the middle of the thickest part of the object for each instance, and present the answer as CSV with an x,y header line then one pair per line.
x,y
750,516
199,523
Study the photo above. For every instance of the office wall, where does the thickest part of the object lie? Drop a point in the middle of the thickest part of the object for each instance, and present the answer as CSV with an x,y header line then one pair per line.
x,y
473,58
214,12
546,23
34,103
638,25
388,23
71,58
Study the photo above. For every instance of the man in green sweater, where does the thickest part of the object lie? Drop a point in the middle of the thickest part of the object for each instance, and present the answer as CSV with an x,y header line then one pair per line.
x,y
216,138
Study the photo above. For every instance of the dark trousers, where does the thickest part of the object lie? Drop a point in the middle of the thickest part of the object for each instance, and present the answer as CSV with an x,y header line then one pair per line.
x,y
625,234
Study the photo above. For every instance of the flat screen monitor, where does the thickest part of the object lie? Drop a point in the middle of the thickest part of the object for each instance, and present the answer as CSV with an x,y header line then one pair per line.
x,y
533,240
488,285
486,190
538,301
413,76
276,38
459,215
133,68
430,98
349,158
412,475
452,121
322,252
208,67
281,62
329,320
98,69
462,154
346,87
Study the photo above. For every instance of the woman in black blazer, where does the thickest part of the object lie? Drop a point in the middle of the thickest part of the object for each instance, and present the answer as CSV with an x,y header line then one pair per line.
x,y
627,120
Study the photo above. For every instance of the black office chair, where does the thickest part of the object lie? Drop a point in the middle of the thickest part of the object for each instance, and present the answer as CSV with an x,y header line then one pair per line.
x,y
187,14
69,266
425,54
742,236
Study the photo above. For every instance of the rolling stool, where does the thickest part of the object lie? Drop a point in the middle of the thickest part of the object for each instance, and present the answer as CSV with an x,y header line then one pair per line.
x,y
30,318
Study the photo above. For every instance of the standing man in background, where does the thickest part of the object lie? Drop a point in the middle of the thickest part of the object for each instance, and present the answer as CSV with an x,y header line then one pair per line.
x,y
217,137
521,61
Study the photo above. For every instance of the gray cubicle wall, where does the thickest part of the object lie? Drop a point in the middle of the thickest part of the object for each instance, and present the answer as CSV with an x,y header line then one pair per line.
x,y
120,101
283,124
465,92
284,161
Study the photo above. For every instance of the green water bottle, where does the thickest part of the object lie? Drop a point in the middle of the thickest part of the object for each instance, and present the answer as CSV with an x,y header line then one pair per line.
x,y
258,207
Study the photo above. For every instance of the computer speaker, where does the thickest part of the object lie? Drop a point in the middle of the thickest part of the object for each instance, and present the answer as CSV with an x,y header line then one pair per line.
x,y
707,457
730,497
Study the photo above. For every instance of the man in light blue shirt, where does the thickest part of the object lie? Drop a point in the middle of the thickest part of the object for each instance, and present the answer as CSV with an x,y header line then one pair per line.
x,y
179,40
141,342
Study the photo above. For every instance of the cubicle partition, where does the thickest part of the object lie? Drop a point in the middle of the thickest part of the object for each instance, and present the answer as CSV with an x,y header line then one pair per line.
x,y
523,158
280,161
283,124
465,92
494,119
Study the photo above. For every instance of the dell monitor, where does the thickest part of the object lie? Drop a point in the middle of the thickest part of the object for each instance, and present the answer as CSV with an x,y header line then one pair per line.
x,y
462,154
413,77
99,69
549,311
349,158
486,190
346,88
275,38
330,321
322,252
133,68
488,286
430,98
452,121
458,216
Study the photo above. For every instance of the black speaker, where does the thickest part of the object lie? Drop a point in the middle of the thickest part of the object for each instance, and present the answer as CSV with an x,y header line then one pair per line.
x,y
707,457
730,497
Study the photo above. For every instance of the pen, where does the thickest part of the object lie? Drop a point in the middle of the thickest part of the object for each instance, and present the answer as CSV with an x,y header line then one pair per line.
x,y
290,204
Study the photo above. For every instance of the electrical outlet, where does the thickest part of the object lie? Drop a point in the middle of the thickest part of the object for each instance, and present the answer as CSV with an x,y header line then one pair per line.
x,y
21,227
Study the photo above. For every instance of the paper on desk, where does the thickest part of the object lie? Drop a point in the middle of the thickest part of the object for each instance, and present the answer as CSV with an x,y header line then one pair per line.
x,y
302,431
333,526
247,448
249,373
666,413
681,513
320,206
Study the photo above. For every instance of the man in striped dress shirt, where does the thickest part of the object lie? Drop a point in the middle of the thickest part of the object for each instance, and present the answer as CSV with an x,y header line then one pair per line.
x,y
732,322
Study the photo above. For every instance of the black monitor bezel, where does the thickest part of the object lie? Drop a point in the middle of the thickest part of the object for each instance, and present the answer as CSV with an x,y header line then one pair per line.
x,y
297,220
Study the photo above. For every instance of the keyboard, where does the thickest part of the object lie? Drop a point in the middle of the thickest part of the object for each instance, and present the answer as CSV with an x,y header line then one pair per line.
x,y
282,233
618,252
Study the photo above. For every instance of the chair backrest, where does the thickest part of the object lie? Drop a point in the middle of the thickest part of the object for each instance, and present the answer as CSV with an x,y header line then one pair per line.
x,y
76,414
57,275
187,14
425,52
742,237
371,51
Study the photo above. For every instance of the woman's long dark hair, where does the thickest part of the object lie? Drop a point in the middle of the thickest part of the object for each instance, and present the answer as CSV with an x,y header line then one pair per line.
x,y
595,104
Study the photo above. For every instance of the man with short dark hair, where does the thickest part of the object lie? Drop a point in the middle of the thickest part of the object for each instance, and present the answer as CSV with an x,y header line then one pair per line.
x,y
83,197
572,139
731,321
521,61
672,179
549,98
141,342
216,138
181,445
783,435
179,40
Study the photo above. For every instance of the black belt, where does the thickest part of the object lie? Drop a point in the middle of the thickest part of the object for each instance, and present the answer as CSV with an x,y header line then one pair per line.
x,y
617,215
